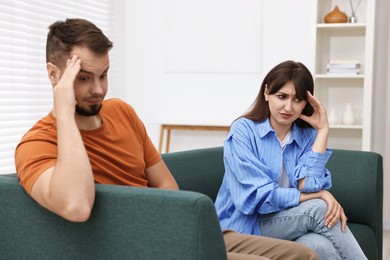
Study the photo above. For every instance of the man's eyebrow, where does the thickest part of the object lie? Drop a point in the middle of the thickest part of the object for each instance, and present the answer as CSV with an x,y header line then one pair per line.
x,y
90,72
85,71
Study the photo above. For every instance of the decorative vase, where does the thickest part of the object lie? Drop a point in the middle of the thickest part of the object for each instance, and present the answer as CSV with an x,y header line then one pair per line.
x,y
352,18
336,16
349,117
332,118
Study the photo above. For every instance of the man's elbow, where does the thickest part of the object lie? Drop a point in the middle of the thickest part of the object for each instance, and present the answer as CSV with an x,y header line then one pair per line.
x,y
77,212
169,186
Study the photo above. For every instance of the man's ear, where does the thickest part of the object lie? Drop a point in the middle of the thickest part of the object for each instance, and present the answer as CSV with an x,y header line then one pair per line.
x,y
53,72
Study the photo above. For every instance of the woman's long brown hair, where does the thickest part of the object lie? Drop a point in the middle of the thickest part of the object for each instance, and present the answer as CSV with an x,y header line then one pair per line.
x,y
276,78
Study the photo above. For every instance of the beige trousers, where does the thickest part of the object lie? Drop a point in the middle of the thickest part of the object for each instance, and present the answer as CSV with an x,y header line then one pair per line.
x,y
250,247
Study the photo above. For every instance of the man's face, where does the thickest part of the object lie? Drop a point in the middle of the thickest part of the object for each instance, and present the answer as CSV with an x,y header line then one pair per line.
x,y
90,85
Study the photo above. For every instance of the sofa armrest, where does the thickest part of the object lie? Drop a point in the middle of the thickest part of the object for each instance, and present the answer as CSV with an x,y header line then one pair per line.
x,y
357,178
126,223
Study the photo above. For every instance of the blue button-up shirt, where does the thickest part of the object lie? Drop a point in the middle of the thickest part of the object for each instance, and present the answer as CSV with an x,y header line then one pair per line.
x,y
253,163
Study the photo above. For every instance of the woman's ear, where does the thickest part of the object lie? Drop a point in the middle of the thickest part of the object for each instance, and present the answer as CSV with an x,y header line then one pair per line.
x,y
266,93
53,72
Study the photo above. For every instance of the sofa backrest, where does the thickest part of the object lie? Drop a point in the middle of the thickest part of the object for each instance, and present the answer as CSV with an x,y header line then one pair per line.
x,y
126,223
198,170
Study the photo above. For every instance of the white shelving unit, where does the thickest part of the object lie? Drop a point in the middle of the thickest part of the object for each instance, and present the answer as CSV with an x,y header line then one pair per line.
x,y
346,41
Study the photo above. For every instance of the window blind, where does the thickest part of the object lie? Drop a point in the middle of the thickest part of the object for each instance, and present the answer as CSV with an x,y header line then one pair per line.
x,y
25,91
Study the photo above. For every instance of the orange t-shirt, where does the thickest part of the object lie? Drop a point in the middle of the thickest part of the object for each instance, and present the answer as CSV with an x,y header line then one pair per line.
x,y
119,151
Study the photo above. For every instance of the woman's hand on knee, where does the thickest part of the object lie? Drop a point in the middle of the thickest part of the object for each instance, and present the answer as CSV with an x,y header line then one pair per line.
x,y
335,212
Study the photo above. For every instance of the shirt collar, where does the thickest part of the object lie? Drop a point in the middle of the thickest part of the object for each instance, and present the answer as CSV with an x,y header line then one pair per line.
x,y
265,128
296,132
297,135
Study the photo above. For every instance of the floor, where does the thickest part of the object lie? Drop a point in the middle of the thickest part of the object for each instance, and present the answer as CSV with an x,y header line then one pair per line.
x,y
386,244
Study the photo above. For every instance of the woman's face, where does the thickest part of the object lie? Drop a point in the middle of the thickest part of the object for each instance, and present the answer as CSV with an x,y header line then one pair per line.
x,y
285,107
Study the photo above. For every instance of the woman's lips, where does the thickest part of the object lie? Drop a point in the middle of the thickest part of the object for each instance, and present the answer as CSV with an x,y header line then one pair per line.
x,y
285,116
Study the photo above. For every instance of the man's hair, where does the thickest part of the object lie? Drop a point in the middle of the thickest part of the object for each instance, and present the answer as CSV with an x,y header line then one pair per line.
x,y
64,35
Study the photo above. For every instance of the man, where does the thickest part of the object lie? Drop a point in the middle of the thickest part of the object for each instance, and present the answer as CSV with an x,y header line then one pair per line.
x,y
84,140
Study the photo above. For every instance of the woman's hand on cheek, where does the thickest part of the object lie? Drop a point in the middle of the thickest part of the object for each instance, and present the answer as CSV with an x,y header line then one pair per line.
x,y
319,118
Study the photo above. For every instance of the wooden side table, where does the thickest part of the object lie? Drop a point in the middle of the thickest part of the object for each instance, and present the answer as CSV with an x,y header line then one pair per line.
x,y
169,128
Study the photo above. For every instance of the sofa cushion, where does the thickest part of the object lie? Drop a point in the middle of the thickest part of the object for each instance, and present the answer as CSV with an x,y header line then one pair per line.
x,y
366,239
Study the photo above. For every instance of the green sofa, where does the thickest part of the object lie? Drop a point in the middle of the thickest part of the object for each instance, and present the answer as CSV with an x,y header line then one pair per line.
x,y
126,223
357,178
138,223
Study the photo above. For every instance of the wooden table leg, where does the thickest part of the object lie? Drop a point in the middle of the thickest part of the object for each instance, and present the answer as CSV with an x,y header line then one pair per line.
x,y
168,140
162,129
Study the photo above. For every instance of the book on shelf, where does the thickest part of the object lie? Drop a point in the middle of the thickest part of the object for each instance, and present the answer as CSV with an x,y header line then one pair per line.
x,y
343,67
334,61
353,71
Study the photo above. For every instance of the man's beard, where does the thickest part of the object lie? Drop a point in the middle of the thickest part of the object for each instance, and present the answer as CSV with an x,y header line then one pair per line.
x,y
92,111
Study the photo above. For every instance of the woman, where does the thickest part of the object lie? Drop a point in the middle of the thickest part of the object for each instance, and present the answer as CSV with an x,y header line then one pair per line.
x,y
275,181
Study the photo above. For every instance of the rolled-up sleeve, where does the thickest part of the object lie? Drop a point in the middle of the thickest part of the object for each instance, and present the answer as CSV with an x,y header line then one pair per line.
x,y
312,167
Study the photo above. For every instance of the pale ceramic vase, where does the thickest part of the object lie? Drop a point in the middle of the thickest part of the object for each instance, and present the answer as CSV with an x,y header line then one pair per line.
x,y
332,118
349,117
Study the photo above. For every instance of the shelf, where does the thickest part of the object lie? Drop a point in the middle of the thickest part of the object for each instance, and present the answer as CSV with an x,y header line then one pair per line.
x,y
341,29
356,127
348,42
341,26
339,76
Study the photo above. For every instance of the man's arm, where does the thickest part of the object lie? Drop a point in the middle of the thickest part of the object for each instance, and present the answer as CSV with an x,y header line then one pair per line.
x,y
67,189
159,176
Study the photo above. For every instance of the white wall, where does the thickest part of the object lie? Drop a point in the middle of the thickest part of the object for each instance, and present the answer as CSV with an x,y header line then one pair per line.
x,y
202,62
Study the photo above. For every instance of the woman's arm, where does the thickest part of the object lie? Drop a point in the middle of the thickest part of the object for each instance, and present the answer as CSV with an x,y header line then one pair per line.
x,y
319,121
334,213
310,171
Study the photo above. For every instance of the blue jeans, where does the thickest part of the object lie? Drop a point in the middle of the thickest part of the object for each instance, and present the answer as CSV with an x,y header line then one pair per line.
x,y
305,224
